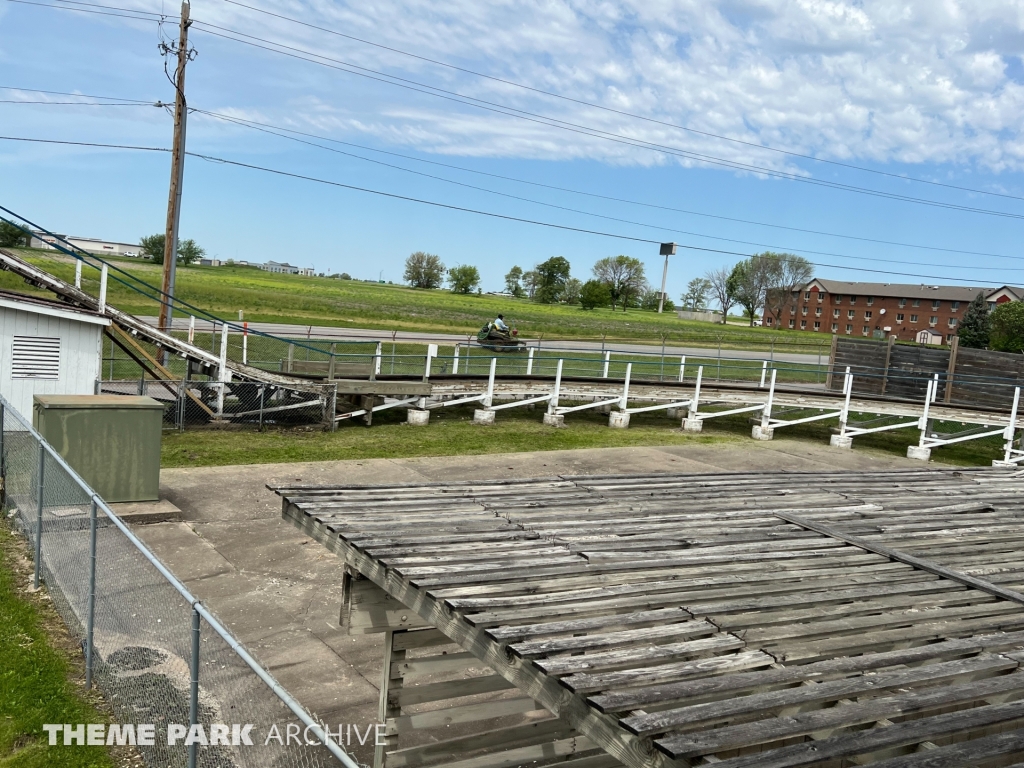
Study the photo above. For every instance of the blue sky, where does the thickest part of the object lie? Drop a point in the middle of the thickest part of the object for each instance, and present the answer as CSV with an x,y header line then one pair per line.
x,y
931,90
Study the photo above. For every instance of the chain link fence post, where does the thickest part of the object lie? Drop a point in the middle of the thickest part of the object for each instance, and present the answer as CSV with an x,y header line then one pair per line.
x,y
39,519
91,615
193,701
3,473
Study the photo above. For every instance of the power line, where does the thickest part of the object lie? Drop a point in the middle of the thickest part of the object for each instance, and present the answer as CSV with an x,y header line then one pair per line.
x,y
612,110
149,15
413,85
269,130
76,103
463,209
70,93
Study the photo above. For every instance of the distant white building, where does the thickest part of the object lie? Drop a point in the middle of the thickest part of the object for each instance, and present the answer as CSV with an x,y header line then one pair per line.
x,y
284,268
87,244
210,262
47,348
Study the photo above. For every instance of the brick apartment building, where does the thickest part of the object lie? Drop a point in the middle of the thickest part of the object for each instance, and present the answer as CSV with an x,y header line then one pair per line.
x,y
882,310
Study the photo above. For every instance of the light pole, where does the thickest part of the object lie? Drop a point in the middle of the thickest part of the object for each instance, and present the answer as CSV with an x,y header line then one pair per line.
x,y
667,249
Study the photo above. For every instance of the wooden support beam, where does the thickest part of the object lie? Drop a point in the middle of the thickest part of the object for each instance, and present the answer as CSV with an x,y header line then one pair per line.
x,y
368,609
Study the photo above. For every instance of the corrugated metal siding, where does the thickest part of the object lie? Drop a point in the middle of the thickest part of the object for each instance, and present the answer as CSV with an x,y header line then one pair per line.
x,y
79,364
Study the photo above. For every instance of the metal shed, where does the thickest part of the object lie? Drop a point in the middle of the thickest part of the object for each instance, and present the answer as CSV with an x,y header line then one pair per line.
x,y
47,348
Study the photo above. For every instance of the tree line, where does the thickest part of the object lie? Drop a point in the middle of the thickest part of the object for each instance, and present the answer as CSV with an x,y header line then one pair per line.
x,y
1000,329
617,281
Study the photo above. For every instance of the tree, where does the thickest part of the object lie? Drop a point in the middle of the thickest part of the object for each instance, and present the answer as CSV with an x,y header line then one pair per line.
x,y
12,236
551,277
975,328
784,273
749,281
720,289
594,294
624,277
696,297
1006,332
531,281
189,252
463,278
512,281
571,293
424,270
153,247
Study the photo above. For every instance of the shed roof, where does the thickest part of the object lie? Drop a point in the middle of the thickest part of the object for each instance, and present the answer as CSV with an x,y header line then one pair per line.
x,y
678,617
38,306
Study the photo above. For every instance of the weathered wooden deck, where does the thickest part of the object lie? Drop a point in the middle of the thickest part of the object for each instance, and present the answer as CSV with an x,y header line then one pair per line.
x,y
755,619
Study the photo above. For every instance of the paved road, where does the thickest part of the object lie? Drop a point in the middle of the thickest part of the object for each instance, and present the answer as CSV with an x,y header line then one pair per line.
x,y
330,333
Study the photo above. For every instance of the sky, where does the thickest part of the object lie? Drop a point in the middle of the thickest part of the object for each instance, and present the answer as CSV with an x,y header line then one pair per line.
x,y
880,140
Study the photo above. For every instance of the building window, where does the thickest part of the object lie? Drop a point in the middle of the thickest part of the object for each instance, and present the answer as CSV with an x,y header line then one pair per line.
x,y
913,318
867,315
850,313
838,298
807,296
871,300
835,327
955,306
835,313
899,318
821,297
853,300
933,320
803,310
917,302
817,311
949,338
792,323
768,321
803,323
849,329
867,330
817,326
936,304
903,303
952,322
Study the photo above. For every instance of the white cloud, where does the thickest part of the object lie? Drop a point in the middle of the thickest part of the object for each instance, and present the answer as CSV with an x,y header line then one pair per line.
x,y
919,81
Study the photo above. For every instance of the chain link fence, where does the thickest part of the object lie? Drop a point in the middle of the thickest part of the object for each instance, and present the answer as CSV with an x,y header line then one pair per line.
x,y
160,657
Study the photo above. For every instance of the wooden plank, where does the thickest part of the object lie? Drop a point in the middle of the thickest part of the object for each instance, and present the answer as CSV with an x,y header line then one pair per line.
x,y
368,609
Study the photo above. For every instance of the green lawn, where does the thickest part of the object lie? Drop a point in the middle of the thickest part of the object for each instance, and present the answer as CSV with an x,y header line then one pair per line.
x,y
452,433
322,301
36,659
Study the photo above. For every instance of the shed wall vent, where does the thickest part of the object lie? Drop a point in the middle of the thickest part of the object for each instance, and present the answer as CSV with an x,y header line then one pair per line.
x,y
35,357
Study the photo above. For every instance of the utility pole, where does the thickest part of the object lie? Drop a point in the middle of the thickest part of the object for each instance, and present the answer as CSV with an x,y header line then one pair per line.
x,y
177,171
667,249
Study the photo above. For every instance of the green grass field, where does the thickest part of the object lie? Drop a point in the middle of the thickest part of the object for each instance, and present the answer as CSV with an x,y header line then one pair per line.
x,y
35,664
452,433
322,301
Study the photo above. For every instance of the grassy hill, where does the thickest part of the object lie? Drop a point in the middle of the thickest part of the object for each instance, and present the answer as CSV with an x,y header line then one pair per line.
x,y
350,303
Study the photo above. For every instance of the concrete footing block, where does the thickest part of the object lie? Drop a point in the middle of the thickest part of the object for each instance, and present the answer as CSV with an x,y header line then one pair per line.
x,y
693,425
762,433
919,453
840,441
483,416
554,419
618,419
418,417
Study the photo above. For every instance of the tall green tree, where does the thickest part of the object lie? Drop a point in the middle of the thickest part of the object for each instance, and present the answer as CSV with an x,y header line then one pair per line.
x,y
721,289
551,275
1007,327
783,274
424,270
571,293
696,297
749,282
976,325
12,236
153,247
531,282
189,252
512,279
463,278
595,294
624,277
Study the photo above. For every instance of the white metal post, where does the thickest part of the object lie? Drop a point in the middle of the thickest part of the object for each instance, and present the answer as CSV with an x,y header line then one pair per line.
x,y
766,414
935,389
455,360
103,289
691,412
245,343
623,402
764,370
224,376
1011,428
78,274
376,360
682,368
191,329
845,413
529,362
553,402
607,359
923,423
490,383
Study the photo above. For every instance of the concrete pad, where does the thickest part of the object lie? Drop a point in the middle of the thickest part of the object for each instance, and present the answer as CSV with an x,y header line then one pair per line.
x,y
142,512
189,557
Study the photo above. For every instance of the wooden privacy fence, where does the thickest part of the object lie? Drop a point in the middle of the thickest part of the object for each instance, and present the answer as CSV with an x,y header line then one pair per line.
x,y
971,377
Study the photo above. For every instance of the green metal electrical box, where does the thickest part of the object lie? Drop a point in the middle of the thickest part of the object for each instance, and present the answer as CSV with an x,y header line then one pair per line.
x,y
112,441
